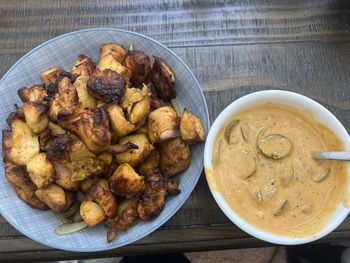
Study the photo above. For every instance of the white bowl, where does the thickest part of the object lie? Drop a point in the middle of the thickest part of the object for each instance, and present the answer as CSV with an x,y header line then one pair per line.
x,y
295,100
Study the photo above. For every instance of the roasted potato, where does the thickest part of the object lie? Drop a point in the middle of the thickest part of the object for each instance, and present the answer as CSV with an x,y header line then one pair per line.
x,y
83,66
91,212
152,199
55,129
35,115
86,184
139,64
6,145
41,171
109,62
163,124
64,177
117,51
150,163
15,115
36,93
106,157
55,198
126,182
122,148
59,148
23,186
45,139
191,129
65,102
87,167
119,124
25,144
175,156
51,75
80,84
173,187
135,156
127,213
139,110
100,193
106,85
78,150
163,79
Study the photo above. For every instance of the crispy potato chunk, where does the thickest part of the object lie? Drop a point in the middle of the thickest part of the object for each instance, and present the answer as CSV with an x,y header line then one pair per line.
x,y
150,163
80,84
106,85
6,145
175,157
120,126
65,102
139,64
135,156
117,51
91,213
78,150
45,139
36,93
109,62
55,129
41,171
92,127
83,66
15,115
126,182
191,129
152,200
35,115
87,167
127,213
163,79
55,197
163,124
51,75
23,186
25,145
64,177
59,148
101,194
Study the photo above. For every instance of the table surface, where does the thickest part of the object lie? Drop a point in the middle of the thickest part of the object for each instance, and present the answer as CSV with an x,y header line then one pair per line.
x,y
233,49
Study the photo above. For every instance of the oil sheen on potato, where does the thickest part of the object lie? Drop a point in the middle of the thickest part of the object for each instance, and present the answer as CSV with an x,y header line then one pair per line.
x,y
262,166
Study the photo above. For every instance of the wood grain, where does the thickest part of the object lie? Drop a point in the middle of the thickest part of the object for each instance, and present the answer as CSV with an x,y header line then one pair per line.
x,y
234,48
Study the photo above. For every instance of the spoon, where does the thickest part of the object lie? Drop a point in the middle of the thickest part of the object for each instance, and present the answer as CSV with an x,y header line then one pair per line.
x,y
342,156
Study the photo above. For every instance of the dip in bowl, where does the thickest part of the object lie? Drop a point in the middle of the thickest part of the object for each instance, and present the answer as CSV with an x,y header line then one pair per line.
x,y
259,168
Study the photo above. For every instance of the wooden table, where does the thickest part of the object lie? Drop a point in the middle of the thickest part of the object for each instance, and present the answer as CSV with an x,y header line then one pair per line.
x,y
233,49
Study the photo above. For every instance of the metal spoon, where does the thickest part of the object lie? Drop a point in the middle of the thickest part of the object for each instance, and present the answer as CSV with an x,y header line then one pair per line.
x,y
342,156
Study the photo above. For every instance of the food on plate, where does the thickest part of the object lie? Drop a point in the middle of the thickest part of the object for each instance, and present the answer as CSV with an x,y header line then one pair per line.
x,y
263,168
100,143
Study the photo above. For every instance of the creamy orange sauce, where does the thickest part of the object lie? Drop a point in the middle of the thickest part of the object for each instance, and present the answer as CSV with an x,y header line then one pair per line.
x,y
271,181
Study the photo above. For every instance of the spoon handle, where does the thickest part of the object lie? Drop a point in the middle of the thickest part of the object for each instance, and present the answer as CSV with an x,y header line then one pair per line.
x,y
342,156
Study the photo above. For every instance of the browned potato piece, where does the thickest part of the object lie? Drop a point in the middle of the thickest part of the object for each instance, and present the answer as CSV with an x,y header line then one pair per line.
x,y
41,171
65,102
191,129
152,200
55,197
109,62
35,115
59,148
87,167
135,156
55,129
18,114
150,163
139,64
117,51
120,126
23,186
91,213
36,93
126,182
163,124
86,184
101,194
106,158
51,75
78,150
83,66
106,85
63,177
80,84
131,96
6,145
92,127
175,157
25,145
140,109
127,213
163,79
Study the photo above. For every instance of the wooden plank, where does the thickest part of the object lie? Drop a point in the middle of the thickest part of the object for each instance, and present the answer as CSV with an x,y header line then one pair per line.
x,y
25,24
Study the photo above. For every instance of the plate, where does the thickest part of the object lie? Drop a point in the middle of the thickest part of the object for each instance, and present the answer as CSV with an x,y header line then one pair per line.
x,y
62,51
